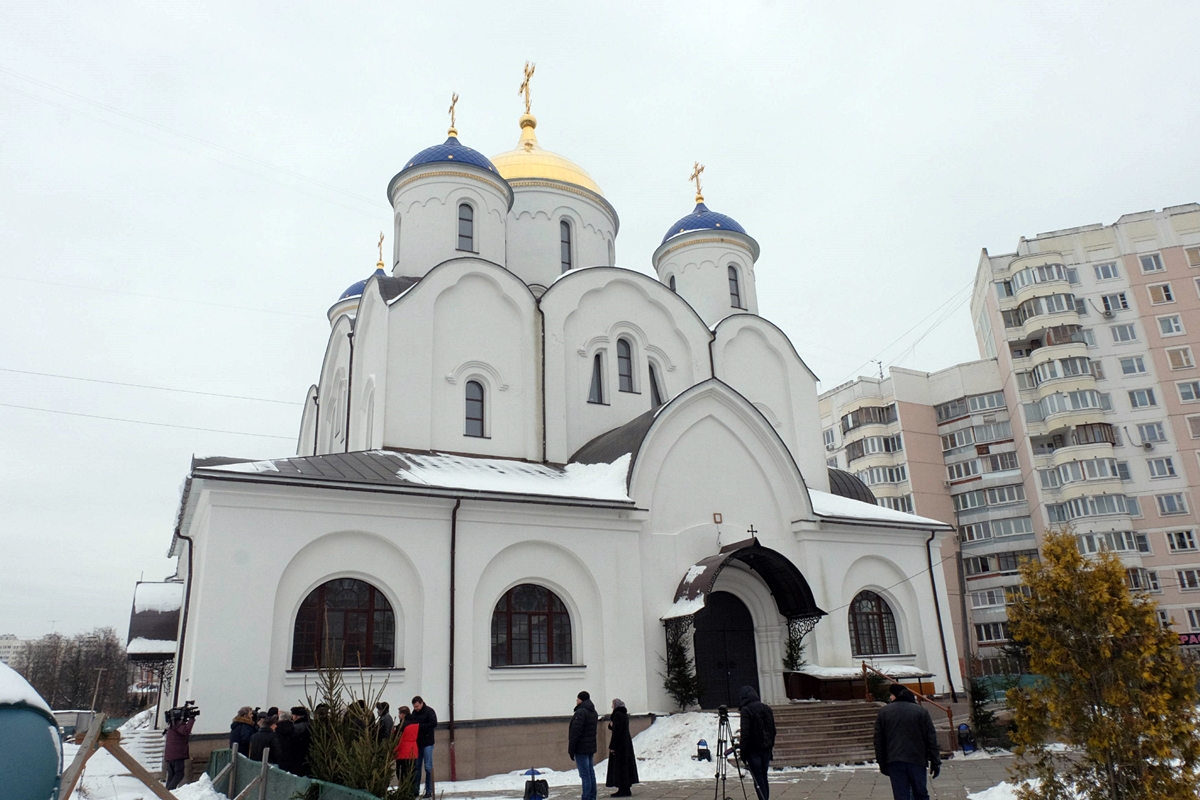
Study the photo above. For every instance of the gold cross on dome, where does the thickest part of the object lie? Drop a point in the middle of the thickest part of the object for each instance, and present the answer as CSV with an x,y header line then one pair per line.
x,y
453,103
381,246
695,176
529,68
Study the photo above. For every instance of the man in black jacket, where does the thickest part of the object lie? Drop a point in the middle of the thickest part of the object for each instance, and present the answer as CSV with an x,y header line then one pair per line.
x,y
581,743
905,742
756,739
266,739
426,717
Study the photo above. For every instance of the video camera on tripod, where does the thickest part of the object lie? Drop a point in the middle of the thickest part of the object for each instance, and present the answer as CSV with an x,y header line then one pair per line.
x,y
727,746
187,711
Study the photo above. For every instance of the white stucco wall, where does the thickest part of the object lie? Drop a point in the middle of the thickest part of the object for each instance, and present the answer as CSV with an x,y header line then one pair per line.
x,y
533,249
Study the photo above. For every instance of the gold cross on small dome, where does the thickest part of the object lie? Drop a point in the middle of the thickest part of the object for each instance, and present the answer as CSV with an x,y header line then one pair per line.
x,y
381,247
529,68
453,102
695,176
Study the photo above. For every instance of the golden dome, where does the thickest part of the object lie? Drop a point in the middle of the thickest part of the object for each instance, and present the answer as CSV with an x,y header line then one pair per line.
x,y
530,161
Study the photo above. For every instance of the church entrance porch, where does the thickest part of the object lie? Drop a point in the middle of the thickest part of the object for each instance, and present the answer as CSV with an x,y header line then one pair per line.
x,y
725,650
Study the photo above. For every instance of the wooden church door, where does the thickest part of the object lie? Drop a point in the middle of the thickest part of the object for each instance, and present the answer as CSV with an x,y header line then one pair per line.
x,y
725,654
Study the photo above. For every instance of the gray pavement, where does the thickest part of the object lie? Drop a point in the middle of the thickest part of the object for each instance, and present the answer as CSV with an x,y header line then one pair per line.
x,y
959,776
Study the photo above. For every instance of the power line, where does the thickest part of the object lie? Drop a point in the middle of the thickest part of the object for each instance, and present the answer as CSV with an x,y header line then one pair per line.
x,y
196,153
147,386
159,297
145,422
900,338
184,135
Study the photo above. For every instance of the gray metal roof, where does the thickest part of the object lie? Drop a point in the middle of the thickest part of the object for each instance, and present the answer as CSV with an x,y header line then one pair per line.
x,y
611,445
846,484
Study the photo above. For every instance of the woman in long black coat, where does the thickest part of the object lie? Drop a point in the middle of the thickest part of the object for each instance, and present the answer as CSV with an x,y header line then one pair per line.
x,y
622,765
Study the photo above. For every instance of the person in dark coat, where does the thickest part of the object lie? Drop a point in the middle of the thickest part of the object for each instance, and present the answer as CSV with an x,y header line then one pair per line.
x,y
301,741
290,757
175,749
756,739
905,742
241,729
266,739
622,764
385,723
426,718
581,743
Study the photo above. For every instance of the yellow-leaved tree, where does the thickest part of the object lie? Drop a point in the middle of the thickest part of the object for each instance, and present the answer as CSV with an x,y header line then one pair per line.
x,y
1111,684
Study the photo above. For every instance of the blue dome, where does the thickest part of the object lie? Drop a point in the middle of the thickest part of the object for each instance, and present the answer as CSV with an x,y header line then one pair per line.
x,y
452,150
356,289
701,219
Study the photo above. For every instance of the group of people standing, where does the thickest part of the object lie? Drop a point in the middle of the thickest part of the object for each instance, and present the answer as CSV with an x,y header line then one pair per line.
x,y
581,747
283,736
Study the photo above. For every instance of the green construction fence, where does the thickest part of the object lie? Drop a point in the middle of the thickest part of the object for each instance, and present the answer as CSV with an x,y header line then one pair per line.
x,y
280,785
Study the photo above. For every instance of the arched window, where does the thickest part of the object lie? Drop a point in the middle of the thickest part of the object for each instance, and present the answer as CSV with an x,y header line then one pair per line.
x,y
369,428
735,290
656,397
624,365
671,283
474,408
564,244
872,626
346,623
396,243
596,390
466,228
530,626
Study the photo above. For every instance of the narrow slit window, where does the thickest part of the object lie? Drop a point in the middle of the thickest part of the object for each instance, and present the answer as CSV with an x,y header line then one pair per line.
x,y
596,392
625,365
671,282
564,243
466,228
474,408
656,398
735,290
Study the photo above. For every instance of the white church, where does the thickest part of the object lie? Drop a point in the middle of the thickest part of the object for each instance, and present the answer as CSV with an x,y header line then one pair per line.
x,y
522,468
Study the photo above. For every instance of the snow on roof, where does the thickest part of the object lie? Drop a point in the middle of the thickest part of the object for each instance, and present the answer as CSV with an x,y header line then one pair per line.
x,y
142,647
685,607
892,670
160,597
251,466
15,690
591,481
831,505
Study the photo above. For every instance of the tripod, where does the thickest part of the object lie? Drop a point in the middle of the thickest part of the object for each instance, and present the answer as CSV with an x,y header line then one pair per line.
x,y
725,746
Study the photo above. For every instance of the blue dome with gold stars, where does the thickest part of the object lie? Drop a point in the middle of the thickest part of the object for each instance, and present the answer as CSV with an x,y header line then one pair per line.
x,y
701,219
356,289
453,151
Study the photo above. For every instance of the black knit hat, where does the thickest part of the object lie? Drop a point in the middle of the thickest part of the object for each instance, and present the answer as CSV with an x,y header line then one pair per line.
x,y
584,695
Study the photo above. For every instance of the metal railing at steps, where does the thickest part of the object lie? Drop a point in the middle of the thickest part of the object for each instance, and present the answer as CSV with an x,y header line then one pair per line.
x,y
867,668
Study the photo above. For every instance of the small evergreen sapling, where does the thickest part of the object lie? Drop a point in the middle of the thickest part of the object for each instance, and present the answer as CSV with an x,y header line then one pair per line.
x,y
680,678
1111,684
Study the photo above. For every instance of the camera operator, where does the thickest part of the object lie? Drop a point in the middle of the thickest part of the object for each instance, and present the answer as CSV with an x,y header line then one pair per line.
x,y
178,733
757,739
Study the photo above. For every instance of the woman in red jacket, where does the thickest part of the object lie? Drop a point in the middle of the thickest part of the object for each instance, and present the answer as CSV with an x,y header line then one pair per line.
x,y
406,753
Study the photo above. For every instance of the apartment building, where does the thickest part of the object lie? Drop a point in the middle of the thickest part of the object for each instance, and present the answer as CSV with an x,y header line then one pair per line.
x,y
941,445
1084,414
1094,330
10,648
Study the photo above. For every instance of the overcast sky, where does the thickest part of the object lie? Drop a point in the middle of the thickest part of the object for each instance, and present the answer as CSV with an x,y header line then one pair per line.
x,y
185,188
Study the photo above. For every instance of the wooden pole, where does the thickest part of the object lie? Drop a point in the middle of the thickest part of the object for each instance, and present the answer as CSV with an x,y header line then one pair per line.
x,y
262,776
86,748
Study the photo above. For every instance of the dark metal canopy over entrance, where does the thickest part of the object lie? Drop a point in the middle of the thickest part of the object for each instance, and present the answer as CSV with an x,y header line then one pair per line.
x,y
793,597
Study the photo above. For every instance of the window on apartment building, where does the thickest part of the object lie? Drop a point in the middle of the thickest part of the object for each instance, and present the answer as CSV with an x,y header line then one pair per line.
x,y
985,402
1107,271
1180,358
1097,369
1000,462
1142,398
1123,333
1152,432
978,565
1194,618
1142,580
1160,293
1193,256
1151,262
1089,337
991,632
953,441
1011,562
1115,302
1081,306
1189,391
1026,380
1161,467
1133,365
903,503
1170,325
1073,276
1171,504
1181,541
988,598
963,469
1003,289
1189,579
1123,470
1003,495
993,432
951,410
1193,423
1164,618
